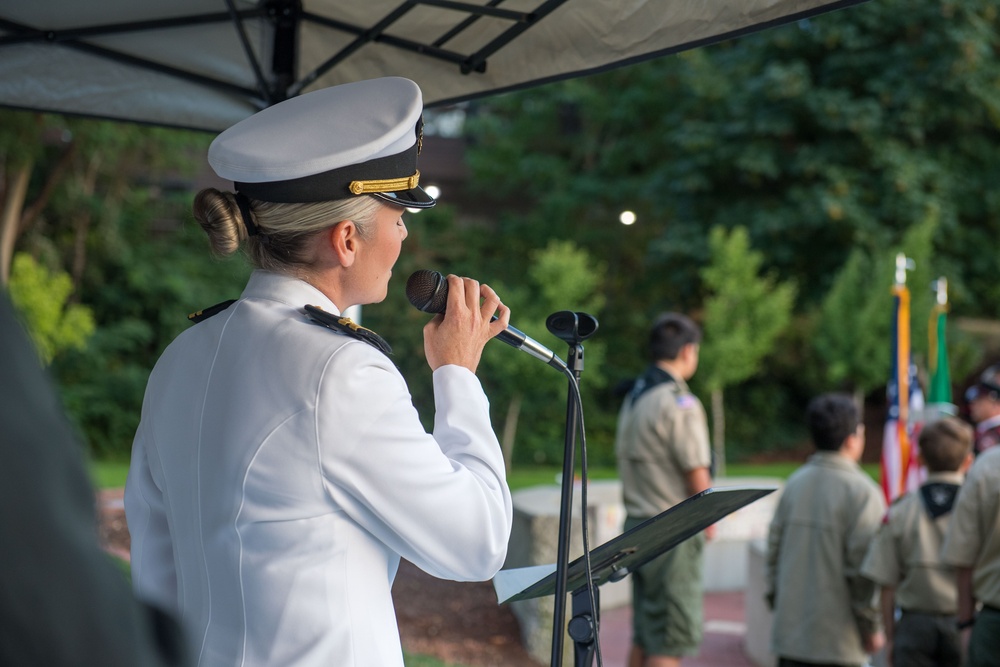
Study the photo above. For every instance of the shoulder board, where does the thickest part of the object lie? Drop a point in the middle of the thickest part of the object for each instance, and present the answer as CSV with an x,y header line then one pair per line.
x,y
211,310
347,326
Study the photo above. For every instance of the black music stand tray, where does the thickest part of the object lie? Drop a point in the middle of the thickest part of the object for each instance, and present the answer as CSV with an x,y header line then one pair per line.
x,y
617,557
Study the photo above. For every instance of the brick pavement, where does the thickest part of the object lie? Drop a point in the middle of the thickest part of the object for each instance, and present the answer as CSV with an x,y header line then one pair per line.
x,y
722,646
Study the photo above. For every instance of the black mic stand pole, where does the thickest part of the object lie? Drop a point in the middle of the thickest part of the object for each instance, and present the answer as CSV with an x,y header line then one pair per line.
x,y
572,328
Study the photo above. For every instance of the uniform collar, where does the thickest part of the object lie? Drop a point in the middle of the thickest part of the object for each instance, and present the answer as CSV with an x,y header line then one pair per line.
x,y
287,290
951,477
833,460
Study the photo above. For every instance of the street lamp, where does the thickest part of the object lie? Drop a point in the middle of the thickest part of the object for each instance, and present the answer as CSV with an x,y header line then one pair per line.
x,y
627,218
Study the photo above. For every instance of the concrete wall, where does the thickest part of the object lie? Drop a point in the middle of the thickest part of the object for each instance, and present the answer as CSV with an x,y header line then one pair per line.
x,y
535,541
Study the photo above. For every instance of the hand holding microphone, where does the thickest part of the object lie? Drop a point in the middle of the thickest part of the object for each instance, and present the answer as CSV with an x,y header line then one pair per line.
x,y
459,337
428,291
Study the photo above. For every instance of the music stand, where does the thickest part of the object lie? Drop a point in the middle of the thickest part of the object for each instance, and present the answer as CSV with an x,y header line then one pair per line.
x,y
617,557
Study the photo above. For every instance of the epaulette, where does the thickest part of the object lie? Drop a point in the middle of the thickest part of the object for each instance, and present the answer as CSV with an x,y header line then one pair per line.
x,y
347,326
210,311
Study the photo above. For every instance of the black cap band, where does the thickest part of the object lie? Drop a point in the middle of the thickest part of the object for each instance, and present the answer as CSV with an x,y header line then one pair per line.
x,y
334,184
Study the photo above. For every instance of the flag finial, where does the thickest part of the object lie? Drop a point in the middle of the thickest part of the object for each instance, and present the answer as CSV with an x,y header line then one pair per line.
x,y
903,263
940,288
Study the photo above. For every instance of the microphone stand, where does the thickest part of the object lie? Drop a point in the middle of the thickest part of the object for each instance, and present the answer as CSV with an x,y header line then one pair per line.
x,y
573,328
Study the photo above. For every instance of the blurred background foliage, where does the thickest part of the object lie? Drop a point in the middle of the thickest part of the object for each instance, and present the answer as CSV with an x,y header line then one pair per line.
x,y
801,159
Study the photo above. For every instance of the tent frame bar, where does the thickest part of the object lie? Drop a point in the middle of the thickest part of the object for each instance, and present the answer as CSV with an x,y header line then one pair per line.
x,y
287,15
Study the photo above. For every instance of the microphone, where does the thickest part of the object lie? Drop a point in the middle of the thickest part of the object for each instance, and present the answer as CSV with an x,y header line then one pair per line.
x,y
428,292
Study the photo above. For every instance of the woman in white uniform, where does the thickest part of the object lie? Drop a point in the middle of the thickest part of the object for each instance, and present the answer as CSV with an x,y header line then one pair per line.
x,y
280,470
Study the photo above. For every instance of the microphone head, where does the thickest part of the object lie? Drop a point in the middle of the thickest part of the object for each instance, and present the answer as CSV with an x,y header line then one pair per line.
x,y
428,291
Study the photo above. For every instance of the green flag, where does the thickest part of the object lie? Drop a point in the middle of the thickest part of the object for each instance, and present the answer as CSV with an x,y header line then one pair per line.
x,y
939,392
940,385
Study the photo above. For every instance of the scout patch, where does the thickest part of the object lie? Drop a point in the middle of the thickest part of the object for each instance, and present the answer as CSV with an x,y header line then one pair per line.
x,y
686,401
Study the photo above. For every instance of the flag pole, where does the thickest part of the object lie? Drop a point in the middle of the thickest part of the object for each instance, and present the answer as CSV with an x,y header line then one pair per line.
x,y
896,441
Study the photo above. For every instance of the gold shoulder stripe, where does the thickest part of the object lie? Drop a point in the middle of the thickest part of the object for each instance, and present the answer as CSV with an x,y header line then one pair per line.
x,y
346,325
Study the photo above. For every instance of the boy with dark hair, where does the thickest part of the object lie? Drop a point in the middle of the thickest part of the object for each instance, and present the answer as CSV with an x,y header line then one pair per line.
x,y
905,556
825,612
664,458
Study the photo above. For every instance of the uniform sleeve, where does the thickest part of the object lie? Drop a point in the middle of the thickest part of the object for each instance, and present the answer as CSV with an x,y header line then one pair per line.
x,y
441,501
864,593
690,434
882,562
154,577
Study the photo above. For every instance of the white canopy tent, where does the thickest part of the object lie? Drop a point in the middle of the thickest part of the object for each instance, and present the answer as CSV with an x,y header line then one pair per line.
x,y
205,64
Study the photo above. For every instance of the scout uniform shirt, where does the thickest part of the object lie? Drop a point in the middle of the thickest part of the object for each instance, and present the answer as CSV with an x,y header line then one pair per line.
x,y
662,436
973,538
906,553
828,513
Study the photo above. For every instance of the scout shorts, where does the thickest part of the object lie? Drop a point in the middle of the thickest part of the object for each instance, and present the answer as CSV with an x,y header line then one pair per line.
x,y
667,599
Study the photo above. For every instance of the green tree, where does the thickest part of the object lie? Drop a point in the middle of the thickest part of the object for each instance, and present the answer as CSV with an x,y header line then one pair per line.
x,y
822,137
524,391
745,312
107,206
41,296
141,287
62,176
852,337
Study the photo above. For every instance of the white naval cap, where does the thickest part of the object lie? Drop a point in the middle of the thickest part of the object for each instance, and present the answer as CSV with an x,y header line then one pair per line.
x,y
358,138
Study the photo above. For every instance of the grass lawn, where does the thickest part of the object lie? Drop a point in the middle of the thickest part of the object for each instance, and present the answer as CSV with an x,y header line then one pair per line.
x,y
523,477
111,474
108,474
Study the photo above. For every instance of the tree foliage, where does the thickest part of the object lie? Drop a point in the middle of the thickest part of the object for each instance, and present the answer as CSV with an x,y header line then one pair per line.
x,y
855,320
745,312
830,141
827,137
559,277
106,209
41,296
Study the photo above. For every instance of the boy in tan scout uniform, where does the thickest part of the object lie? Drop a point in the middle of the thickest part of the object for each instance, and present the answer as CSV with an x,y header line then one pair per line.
x,y
664,458
972,545
905,556
825,612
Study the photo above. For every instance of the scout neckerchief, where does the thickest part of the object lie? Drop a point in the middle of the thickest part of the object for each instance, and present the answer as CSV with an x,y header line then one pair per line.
x,y
652,377
938,497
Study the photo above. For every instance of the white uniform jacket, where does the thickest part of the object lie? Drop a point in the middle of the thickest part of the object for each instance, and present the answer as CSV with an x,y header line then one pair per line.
x,y
280,471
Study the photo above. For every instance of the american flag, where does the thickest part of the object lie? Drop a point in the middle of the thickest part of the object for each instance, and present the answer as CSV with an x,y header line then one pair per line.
x,y
900,469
